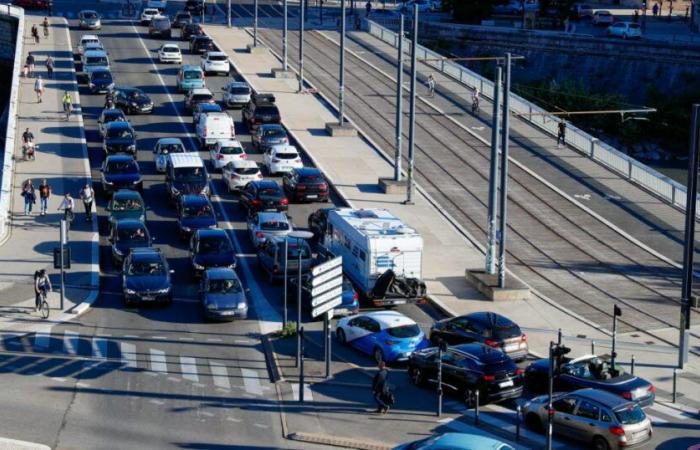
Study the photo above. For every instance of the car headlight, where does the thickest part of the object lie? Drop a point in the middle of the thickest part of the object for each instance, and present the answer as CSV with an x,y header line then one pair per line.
x,y
110,86
136,182
186,229
108,182
175,191
132,147
205,189
164,290
130,291
211,306
92,85
197,266
142,217
242,305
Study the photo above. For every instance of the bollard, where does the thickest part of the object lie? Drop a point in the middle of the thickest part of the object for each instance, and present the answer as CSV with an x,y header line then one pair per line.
x,y
592,347
519,412
632,365
476,408
673,394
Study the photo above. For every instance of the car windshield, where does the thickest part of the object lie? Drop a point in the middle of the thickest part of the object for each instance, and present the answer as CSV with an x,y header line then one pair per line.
x,y
404,331
113,118
171,148
101,76
171,49
200,98
132,235
197,211
239,90
192,75
267,110
502,331
181,16
274,133
274,225
122,167
88,42
214,246
630,414
296,249
119,133
90,15
270,194
96,60
286,155
230,286
310,179
161,22
190,174
137,95
231,150
217,57
147,268
246,170
127,204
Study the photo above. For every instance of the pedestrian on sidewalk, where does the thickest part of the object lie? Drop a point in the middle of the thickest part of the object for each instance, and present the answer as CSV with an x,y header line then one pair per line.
x,y
368,7
381,389
49,66
66,206
44,194
35,34
431,85
39,88
67,102
88,196
636,16
29,195
655,10
30,64
561,134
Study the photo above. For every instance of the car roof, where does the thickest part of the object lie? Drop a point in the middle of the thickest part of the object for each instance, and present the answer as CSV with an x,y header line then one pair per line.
x,y
169,140
390,319
95,53
194,199
120,158
271,125
210,106
490,318
605,398
210,232
307,171
473,348
150,10
221,273
238,84
88,11
101,69
113,112
216,53
196,91
118,124
89,36
130,223
229,143
190,159
243,163
202,37
126,193
285,148
170,44
469,441
190,67
130,89
265,216
266,184
147,251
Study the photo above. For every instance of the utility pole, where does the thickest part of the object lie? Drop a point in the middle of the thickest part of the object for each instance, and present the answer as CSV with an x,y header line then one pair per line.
x,y
301,46
503,206
493,174
689,246
556,352
412,111
617,312
255,23
228,14
284,36
341,77
399,105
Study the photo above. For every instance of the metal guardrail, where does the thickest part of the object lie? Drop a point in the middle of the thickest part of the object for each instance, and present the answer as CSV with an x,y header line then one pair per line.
x,y
631,169
9,145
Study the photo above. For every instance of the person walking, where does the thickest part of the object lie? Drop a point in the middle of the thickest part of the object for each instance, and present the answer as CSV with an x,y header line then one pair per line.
x,y
431,85
380,385
35,34
29,195
30,64
38,88
49,66
655,10
636,16
66,206
45,24
44,194
561,134
67,102
88,196
368,7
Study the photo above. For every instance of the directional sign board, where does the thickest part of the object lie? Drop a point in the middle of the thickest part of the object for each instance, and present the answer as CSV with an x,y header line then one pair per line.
x,y
326,286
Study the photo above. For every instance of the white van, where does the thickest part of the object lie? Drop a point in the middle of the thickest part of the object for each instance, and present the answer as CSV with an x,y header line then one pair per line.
x,y
213,127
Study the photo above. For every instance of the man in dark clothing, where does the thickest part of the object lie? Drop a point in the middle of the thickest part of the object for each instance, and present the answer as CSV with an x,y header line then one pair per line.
x,y
561,135
379,388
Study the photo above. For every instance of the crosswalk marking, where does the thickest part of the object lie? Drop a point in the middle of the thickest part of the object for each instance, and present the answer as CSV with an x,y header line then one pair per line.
x,y
99,348
70,342
158,361
656,420
670,411
251,381
220,375
308,396
128,352
188,366
41,340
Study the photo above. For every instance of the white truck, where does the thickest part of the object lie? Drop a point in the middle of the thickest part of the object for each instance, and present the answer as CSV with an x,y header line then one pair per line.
x,y
213,127
381,255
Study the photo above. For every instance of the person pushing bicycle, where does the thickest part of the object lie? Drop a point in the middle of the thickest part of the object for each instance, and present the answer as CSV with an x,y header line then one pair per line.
x,y
42,285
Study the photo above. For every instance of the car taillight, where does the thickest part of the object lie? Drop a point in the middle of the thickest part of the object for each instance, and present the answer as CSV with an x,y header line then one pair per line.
x,y
627,395
651,388
489,377
219,156
233,176
301,187
523,337
618,431
519,371
390,342
275,160
284,201
244,156
279,120
233,130
258,234
355,296
205,131
256,202
297,160
323,187
491,343
259,176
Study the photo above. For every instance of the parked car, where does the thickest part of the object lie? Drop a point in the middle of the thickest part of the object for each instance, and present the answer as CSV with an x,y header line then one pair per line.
x,y
225,151
119,138
185,173
350,299
146,277
625,30
85,40
211,248
590,371
189,77
160,26
271,257
581,11
194,212
89,20
236,93
263,195
204,108
215,62
222,295
126,204
170,53
239,172
148,14
282,159
126,235
422,5
267,224
120,172
201,44
181,19
133,101
163,149
455,441
198,95
260,109
306,184
107,116
602,17
100,81
391,14
598,418
386,335
488,328
190,30
268,135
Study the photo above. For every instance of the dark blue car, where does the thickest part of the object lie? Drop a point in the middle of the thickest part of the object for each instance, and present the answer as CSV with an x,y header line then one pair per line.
x,y
120,172
223,296
194,212
126,235
211,248
146,277
119,138
100,81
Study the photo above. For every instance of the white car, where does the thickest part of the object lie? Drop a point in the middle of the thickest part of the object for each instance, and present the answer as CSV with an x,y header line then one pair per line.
x,y
240,172
602,17
170,53
85,40
282,159
625,30
215,62
148,14
226,151
163,149
236,93
266,225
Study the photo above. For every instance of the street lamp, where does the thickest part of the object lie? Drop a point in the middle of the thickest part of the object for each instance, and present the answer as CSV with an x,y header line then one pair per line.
x,y
298,235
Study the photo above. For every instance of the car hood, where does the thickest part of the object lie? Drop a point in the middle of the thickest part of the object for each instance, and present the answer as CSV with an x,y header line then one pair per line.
x,y
224,300
147,283
198,222
120,215
215,259
102,82
189,188
140,101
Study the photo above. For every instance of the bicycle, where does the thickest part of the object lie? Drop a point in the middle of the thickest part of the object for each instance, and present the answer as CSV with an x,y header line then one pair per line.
x,y
68,109
44,309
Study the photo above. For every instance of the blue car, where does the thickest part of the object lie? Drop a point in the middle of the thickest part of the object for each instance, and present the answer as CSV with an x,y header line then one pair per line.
x,y
146,277
211,248
120,172
222,295
126,235
456,441
194,212
386,335
100,81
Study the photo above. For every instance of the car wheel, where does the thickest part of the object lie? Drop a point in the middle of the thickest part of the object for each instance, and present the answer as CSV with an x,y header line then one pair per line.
x,y
416,376
378,355
600,443
340,336
533,422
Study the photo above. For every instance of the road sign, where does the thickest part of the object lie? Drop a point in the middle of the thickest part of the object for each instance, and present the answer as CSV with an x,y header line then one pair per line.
x,y
326,307
327,296
326,266
317,280
330,284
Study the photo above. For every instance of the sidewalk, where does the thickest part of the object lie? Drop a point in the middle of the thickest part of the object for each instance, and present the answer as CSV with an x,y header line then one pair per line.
x,y
62,160
354,167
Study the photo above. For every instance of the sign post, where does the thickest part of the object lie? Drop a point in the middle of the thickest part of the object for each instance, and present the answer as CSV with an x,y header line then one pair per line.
x,y
64,242
298,235
326,294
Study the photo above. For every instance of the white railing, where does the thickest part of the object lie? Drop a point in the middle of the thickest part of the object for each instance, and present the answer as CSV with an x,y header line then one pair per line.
x,y
8,165
659,184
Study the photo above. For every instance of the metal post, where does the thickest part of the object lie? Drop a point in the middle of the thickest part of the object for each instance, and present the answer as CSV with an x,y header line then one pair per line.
x,y
299,337
399,104
689,245
412,110
504,176
301,366
439,382
64,240
320,11
519,412
286,259
632,365
341,77
476,407
255,23
559,337
228,14
327,328
592,347
550,388
301,46
675,381
522,5
204,9
284,35
616,312
493,174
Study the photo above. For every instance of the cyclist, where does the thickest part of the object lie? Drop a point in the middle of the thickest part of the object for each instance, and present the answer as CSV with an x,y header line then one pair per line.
x,y
475,100
67,205
27,136
109,100
67,101
42,285
45,24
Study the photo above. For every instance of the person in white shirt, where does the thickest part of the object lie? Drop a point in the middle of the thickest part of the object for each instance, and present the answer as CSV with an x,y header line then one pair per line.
x,y
88,196
67,205
38,88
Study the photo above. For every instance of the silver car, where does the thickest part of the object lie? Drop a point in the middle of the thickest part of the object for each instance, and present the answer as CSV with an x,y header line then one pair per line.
x,y
264,225
236,93
89,20
604,420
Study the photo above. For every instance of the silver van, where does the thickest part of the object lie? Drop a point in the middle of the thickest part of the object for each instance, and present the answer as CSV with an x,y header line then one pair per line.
x,y
93,60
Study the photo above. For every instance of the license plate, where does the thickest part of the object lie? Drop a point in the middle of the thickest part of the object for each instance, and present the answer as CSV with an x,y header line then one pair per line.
x,y
312,196
148,298
506,384
511,347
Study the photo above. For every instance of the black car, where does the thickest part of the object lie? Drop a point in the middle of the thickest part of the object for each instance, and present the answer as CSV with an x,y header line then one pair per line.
x,y
110,115
181,19
133,101
467,368
119,138
318,223
201,44
126,235
261,109
120,172
190,30
263,196
305,184
100,81
211,248
488,328
590,372
194,6
194,212
146,277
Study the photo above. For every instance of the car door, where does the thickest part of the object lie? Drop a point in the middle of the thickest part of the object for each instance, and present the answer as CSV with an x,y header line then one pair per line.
x,y
564,415
370,340
587,422
267,158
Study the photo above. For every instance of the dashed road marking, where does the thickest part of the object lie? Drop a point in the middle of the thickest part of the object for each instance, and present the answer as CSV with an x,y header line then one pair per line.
x,y
158,364
128,352
188,366
219,375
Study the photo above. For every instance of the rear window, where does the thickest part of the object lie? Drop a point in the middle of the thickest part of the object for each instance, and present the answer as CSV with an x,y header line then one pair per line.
x,y
274,133
270,194
192,75
96,60
246,170
119,133
171,49
311,179
125,167
267,110
172,148
90,15
131,204
217,57
404,331
214,245
239,90
505,365
202,97
630,415
190,175
295,249
231,150
274,225
286,155
504,331
198,211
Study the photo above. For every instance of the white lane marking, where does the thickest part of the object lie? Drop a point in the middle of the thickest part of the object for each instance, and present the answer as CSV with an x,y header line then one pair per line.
x,y
128,352
233,419
162,338
176,380
82,385
130,336
308,396
214,340
70,342
207,413
188,367
251,381
656,420
260,425
242,341
99,348
158,361
670,411
42,340
220,375
186,339
157,402
58,379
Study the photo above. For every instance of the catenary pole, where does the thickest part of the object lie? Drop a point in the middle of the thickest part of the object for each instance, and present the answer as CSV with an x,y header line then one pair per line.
x,y
341,75
493,174
503,204
412,110
399,103
301,46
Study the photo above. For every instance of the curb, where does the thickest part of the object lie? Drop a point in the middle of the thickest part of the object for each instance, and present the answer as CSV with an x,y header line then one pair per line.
x,y
318,438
